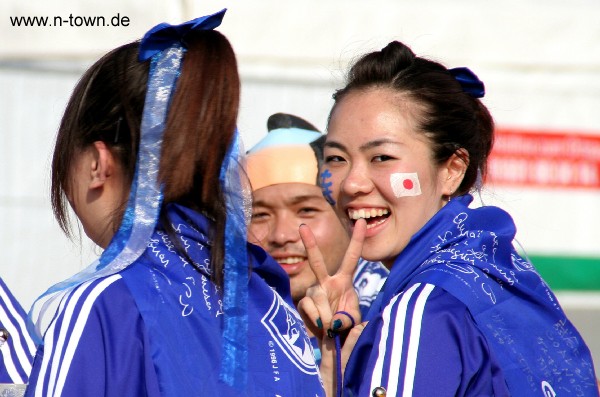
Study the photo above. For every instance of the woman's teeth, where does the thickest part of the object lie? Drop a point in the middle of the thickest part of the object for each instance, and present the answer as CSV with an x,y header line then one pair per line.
x,y
367,213
290,260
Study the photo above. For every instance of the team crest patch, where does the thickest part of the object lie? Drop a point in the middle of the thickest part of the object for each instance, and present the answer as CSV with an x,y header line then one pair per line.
x,y
367,286
287,329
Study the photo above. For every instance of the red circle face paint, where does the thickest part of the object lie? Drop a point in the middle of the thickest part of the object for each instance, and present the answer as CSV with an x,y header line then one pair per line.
x,y
405,184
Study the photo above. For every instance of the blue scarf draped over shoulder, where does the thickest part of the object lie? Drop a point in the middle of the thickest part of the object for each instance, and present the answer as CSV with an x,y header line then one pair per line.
x,y
470,254
183,311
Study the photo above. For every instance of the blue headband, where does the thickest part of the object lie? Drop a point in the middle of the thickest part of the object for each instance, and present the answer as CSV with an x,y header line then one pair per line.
x,y
165,46
468,81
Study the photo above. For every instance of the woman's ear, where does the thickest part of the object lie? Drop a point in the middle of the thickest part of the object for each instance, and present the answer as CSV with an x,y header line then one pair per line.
x,y
102,165
453,171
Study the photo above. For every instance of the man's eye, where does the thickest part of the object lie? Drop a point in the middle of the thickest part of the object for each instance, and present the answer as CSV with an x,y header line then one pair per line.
x,y
257,216
307,210
333,159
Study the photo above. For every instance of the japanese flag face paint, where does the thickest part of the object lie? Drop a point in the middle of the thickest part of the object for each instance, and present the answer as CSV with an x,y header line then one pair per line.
x,y
405,184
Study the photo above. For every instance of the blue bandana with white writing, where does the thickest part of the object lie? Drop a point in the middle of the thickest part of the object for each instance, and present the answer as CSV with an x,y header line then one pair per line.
x,y
470,254
183,313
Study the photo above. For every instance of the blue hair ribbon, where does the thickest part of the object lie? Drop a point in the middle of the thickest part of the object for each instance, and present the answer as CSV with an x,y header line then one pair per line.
x,y
163,35
469,81
234,364
164,45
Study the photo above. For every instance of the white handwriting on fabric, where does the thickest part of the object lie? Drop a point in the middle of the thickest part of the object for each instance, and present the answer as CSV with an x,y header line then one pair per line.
x,y
480,256
184,279
165,239
186,244
153,244
220,311
562,340
186,297
187,285
487,289
502,334
205,292
471,257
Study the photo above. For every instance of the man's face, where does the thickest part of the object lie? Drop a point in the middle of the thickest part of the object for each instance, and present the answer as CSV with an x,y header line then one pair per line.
x,y
277,212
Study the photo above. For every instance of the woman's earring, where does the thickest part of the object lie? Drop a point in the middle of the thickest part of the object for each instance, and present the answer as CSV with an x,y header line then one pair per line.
x,y
450,195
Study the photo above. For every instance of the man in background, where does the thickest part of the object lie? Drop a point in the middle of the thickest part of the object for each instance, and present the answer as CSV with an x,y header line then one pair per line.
x,y
288,190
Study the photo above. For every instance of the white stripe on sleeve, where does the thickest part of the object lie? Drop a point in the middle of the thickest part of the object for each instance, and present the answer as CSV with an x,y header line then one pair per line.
x,y
59,345
9,364
73,340
67,316
48,349
24,353
413,344
395,348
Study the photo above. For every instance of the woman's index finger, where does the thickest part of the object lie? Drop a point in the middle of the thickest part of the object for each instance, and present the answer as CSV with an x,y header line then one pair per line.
x,y
354,250
315,258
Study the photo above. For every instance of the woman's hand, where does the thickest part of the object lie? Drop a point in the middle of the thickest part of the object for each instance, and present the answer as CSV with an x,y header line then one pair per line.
x,y
332,303
328,366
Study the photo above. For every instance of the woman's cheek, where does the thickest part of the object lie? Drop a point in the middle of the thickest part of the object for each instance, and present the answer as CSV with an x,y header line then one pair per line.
x,y
405,184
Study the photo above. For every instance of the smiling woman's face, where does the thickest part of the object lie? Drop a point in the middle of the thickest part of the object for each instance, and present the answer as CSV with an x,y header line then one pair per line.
x,y
382,169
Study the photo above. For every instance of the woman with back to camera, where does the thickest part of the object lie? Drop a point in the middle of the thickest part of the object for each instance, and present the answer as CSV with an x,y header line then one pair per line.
x,y
147,155
462,313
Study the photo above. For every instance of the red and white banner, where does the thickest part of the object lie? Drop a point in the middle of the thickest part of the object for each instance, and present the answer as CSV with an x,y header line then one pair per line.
x,y
544,159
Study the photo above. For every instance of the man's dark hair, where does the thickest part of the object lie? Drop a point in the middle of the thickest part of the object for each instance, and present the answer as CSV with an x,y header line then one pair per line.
x,y
285,120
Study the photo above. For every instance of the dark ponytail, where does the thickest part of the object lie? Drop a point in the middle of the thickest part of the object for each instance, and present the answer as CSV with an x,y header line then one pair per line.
x,y
200,127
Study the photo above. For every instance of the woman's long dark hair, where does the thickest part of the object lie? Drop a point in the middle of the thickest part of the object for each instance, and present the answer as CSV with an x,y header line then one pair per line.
x,y
107,105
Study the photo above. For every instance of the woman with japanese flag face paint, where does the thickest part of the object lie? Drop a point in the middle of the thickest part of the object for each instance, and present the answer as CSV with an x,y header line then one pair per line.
x,y
462,313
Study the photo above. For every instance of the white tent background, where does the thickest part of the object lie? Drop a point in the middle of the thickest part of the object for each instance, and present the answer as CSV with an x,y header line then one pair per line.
x,y
540,60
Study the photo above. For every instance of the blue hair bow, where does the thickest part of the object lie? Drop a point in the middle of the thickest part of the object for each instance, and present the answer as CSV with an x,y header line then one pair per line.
x,y
163,35
469,81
